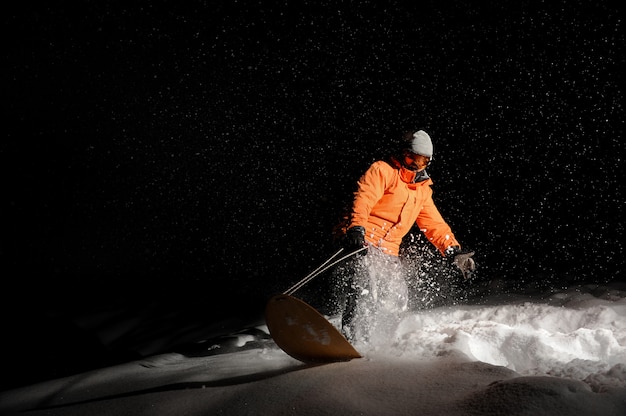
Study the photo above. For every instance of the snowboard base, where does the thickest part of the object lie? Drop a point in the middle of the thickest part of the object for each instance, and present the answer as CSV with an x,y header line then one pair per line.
x,y
303,333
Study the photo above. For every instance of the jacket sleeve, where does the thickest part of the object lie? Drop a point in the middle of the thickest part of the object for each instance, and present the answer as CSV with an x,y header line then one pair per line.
x,y
432,224
370,190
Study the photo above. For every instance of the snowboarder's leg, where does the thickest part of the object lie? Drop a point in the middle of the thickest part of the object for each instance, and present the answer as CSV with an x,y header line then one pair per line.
x,y
358,303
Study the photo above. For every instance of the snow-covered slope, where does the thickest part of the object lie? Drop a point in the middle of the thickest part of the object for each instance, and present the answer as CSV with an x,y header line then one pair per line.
x,y
560,355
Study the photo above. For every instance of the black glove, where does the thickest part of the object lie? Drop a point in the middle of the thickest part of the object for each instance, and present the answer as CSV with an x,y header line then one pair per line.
x,y
461,259
355,239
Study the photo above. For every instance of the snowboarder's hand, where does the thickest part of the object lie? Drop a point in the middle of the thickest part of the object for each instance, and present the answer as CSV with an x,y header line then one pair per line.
x,y
462,259
355,239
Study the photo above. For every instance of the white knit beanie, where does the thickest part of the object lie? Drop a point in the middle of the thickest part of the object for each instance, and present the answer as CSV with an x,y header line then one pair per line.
x,y
421,144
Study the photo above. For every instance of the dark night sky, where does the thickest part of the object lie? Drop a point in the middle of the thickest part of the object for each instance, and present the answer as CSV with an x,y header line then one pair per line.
x,y
212,145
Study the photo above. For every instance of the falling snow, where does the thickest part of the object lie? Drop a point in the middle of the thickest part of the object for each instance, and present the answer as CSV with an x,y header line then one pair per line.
x,y
213,149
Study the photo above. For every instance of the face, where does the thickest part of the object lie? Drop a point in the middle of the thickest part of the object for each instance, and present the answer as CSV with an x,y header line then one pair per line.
x,y
417,162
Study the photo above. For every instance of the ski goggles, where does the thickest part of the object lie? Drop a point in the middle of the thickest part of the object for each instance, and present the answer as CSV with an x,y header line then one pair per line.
x,y
418,162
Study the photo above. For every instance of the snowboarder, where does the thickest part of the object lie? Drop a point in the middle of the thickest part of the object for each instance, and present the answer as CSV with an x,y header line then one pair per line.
x,y
391,197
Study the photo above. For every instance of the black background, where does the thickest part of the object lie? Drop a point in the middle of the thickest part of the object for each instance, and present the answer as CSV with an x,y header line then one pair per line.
x,y
200,153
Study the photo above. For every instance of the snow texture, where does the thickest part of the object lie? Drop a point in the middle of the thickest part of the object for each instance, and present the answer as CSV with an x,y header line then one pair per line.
x,y
560,354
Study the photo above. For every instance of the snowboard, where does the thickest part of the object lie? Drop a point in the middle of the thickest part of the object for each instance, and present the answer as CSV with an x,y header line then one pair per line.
x,y
304,333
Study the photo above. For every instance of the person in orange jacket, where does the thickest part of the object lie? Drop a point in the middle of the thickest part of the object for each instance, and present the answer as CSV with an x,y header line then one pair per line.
x,y
391,197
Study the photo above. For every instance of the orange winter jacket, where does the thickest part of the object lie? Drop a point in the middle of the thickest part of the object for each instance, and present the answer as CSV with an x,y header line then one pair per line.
x,y
387,203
